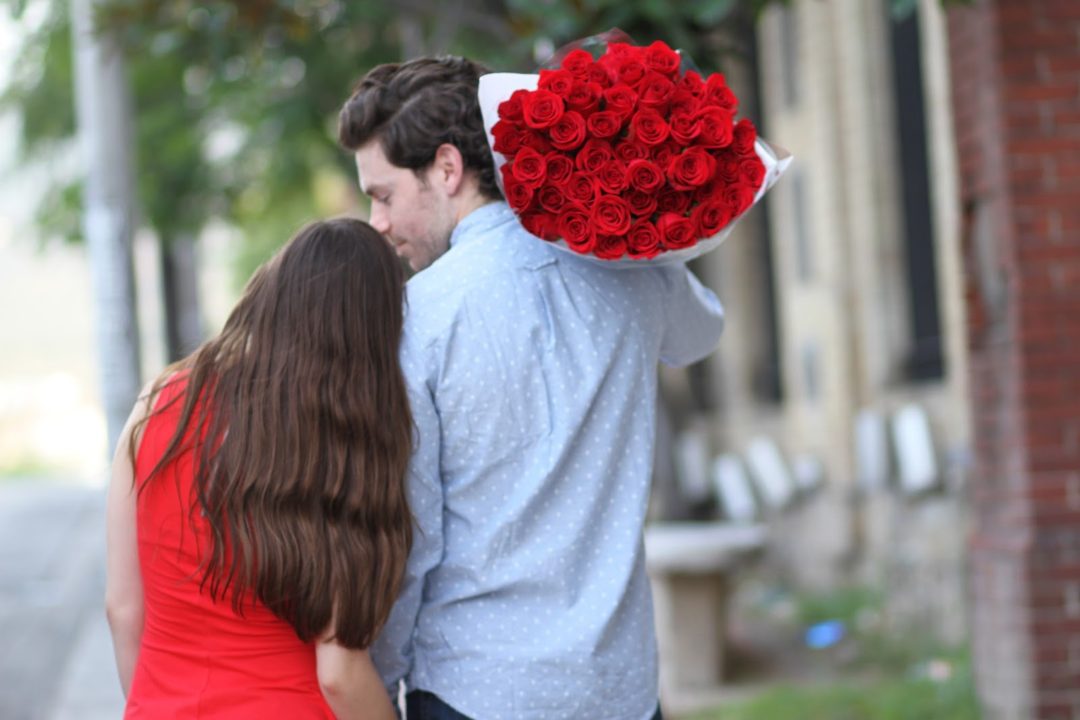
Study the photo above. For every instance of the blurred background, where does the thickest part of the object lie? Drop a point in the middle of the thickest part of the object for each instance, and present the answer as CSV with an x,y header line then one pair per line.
x,y
866,502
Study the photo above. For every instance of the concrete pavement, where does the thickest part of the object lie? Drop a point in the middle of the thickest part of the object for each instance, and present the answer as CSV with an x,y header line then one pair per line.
x,y
55,653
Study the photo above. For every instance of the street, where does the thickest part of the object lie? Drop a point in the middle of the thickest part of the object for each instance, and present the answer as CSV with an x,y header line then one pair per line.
x,y
56,656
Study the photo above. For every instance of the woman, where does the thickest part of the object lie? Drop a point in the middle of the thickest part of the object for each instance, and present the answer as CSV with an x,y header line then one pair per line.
x,y
257,521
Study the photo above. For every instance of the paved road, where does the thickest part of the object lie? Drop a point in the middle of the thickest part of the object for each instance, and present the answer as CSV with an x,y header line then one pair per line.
x,y
55,653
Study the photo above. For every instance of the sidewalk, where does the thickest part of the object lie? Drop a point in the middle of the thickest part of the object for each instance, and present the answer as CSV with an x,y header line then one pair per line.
x,y
56,658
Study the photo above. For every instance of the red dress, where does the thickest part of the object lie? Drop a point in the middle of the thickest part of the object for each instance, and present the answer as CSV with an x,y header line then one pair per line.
x,y
197,658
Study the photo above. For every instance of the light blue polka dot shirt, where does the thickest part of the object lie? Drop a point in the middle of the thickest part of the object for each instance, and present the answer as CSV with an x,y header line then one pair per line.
x,y
532,378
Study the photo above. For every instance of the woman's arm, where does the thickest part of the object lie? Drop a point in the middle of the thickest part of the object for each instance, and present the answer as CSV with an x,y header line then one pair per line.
x,y
123,583
350,683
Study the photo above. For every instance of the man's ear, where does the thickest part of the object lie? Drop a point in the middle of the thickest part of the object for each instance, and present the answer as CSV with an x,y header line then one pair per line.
x,y
448,168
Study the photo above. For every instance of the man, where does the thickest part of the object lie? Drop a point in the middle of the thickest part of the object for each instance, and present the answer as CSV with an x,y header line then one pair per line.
x,y
532,378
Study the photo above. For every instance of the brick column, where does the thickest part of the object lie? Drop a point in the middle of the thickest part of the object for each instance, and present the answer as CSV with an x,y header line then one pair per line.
x,y
1016,96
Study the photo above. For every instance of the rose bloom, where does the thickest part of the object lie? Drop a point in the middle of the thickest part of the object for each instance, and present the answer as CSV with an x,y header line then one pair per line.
x,y
738,197
540,224
559,167
649,127
533,139
577,63
744,136
676,231
684,127
718,93
604,124
611,215
593,155
659,57
630,150
645,175
507,138
643,240
529,168
551,199
752,170
612,177
581,188
684,102
641,203
585,97
575,229
662,154
692,83
598,74
691,169
518,194
559,82
569,131
656,91
511,108
710,217
609,247
716,127
631,72
621,100
673,201
542,108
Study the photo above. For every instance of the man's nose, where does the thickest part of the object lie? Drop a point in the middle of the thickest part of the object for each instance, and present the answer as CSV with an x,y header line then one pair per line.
x,y
379,219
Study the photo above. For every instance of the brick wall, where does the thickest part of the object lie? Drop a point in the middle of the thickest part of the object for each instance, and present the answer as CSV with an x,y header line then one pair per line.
x,y
1016,96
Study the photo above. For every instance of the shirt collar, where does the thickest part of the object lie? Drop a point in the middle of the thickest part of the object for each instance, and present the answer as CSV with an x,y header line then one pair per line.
x,y
480,220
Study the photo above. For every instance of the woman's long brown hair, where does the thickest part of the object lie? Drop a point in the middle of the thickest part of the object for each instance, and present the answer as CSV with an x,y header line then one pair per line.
x,y
299,422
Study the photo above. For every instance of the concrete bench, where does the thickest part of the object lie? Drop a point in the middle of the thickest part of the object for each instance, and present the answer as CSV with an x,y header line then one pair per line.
x,y
691,565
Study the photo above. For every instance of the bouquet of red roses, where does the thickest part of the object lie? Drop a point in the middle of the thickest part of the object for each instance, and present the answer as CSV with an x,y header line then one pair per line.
x,y
625,156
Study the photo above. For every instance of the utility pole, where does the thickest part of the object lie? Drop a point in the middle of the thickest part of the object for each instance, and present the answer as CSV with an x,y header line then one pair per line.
x,y
106,138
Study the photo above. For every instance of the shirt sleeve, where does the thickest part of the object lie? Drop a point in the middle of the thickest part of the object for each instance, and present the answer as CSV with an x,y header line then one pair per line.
x,y
694,318
392,652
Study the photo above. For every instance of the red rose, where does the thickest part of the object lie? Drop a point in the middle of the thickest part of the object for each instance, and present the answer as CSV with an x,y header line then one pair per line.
x,y
656,91
575,229
533,139
569,131
540,224
577,63
631,71
593,154
710,218
659,57
559,82
738,197
673,201
529,168
743,137
752,170
718,93
641,203
649,127
609,247
708,192
684,102
581,188
542,108
716,128
691,169
662,154
612,177
511,109
727,167
598,74
692,83
676,231
621,100
684,127
604,124
585,97
552,199
518,194
559,168
611,215
507,138
630,150
643,240
645,175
